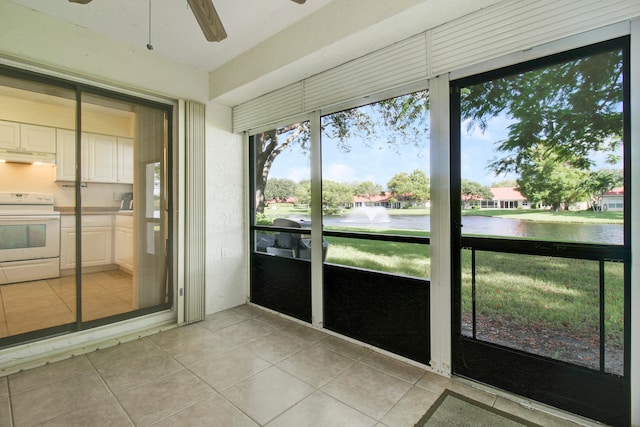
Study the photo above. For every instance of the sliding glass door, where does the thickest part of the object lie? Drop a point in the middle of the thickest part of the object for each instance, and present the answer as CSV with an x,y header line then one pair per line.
x,y
85,173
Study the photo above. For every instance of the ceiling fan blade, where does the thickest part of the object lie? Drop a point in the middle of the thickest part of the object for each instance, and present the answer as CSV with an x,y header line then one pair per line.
x,y
299,1
208,19
80,1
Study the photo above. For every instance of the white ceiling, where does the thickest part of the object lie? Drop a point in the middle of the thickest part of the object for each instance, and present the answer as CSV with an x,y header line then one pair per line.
x,y
174,31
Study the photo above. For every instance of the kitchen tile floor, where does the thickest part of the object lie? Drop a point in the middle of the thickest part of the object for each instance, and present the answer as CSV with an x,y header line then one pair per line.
x,y
29,306
239,367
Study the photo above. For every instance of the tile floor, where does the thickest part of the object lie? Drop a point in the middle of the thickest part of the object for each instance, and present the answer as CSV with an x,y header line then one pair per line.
x,y
29,306
239,367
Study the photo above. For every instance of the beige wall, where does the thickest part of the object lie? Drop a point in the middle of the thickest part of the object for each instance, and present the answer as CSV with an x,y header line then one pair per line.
x,y
41,179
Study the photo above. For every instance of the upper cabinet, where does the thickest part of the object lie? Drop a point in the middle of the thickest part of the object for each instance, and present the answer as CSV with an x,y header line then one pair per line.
x,y
66,155
105,158
24,137
125,160
100,158
9,135
40,139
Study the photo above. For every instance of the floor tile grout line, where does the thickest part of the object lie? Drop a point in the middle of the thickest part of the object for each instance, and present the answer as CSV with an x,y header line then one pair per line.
x,y
290,407
230,385
387,373
347,403
184,367
113,293
396,404
115,398
48,364
184,408
10,402
59,296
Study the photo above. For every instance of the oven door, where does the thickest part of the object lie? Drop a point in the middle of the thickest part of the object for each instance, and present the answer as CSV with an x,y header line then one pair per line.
x,y
29,237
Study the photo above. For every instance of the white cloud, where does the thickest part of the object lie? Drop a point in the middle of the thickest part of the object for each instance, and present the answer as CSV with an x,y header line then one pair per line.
x,y
340,173
299,174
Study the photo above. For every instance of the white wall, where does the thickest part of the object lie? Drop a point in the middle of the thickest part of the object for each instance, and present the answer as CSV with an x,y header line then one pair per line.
x,y
227,268
34,38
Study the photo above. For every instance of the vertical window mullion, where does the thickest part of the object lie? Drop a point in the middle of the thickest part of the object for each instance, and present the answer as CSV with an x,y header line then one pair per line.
x,y
317,311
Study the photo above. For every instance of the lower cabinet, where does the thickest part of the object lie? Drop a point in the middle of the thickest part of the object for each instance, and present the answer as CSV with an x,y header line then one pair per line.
x,y
123,239
97,248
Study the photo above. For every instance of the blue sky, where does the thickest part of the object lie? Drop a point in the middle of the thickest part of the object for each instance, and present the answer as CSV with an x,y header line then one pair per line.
x,y
379,162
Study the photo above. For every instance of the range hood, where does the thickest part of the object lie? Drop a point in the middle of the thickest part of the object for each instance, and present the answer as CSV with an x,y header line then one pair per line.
x,y
11,156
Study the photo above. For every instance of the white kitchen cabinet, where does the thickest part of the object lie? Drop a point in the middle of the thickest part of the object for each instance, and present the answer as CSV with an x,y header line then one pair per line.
x,y
125,160
40,139
24,137
100,158
97,247
123,242
9,135
66,155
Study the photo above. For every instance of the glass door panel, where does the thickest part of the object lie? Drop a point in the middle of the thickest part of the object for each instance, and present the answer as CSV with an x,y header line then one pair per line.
x,y
123,194
37,122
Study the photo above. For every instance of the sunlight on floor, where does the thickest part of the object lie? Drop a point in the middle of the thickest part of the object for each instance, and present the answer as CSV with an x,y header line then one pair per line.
x,y
30,306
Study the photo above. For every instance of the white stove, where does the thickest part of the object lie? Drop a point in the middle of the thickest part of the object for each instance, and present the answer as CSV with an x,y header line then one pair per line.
x,y
29,237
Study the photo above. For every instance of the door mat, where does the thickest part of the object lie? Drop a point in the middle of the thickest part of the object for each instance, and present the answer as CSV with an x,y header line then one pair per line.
x,y
453,409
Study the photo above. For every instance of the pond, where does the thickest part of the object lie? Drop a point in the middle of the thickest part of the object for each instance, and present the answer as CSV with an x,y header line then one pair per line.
x,y
611,234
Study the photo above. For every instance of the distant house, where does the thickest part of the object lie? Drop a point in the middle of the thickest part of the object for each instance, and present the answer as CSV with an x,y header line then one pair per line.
x,y
382,199
505,198
613,200
509,198
273,203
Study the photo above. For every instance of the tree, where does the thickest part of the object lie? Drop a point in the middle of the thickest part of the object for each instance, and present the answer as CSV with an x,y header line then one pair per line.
x,y
268,146
303,192
366,189
505,183
336,195
413,187
548,180
570,109
280,189
472,190
599,182
398,121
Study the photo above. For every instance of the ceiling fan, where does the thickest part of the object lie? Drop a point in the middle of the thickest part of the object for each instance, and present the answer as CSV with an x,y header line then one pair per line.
x,y
207,18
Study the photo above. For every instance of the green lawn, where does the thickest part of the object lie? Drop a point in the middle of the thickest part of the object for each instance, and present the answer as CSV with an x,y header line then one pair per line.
x,y
543,291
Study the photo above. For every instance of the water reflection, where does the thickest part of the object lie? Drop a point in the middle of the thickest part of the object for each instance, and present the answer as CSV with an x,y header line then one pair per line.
x,y
612,234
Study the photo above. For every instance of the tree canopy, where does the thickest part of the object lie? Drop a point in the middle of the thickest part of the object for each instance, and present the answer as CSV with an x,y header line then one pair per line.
x,y
567,110
280,189
559,115
547,180
395,122
412,187
599,182
471,190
